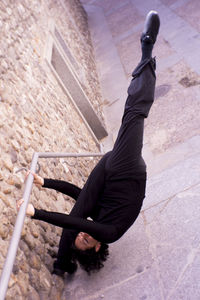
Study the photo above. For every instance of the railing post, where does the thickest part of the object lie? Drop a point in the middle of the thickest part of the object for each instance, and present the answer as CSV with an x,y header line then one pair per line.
x,y
12,250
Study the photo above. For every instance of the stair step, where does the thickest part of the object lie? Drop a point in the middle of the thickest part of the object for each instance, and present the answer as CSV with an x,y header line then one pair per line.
x,y
173,180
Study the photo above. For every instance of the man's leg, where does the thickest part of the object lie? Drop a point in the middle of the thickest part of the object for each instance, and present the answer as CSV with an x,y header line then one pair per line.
x,y
126,154
125,159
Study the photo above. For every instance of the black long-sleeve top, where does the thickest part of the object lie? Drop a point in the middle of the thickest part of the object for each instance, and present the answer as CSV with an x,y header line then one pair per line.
x,y
112,203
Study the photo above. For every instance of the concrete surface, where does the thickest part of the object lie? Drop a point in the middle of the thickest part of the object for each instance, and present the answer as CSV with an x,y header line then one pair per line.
x,y
159,257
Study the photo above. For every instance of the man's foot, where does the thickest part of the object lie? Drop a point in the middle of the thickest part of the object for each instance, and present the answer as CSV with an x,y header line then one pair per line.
x,y
151,27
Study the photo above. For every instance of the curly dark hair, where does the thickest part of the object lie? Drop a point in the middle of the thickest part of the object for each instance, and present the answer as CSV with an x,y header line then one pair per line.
x,y
89,260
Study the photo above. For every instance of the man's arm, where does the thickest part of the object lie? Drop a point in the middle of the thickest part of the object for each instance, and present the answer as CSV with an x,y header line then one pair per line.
x,y
101,232
63,187
58,185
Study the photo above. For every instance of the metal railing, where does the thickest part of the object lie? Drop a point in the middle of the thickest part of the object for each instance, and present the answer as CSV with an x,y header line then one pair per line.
x,y
13,246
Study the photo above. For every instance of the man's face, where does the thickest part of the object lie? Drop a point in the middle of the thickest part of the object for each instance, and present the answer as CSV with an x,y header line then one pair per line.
x,y
84,241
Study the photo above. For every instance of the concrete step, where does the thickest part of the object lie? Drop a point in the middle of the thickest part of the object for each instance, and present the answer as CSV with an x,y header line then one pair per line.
x,y
179,173
157,163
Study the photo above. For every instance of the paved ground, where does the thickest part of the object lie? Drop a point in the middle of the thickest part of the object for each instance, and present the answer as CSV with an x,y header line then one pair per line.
x,y
159,257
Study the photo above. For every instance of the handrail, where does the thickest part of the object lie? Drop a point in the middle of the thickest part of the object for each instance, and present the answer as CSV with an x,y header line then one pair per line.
x,y
12,249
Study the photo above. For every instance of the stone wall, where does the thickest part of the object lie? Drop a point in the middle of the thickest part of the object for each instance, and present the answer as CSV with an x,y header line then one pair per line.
x,y
36,115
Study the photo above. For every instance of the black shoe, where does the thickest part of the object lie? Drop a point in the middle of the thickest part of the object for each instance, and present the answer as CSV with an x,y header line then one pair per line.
x,y
151,27
58,272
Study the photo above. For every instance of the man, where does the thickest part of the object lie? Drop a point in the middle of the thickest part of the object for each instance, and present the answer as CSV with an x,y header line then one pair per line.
x,y
113,194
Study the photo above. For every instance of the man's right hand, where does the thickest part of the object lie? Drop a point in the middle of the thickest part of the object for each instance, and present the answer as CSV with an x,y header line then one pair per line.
x,y
38,180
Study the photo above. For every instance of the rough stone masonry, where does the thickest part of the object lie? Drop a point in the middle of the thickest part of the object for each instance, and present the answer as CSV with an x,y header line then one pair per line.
x,y
36,115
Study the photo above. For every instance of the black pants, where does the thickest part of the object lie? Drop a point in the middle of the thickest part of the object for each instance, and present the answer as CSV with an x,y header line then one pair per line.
x,y
125,160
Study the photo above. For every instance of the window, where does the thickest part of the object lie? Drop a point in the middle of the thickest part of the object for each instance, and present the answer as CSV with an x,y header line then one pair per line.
x,y
63,65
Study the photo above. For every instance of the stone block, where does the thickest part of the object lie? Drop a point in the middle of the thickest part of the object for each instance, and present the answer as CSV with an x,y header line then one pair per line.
x,y
180,177
35,262
122,19
32,294
8,163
